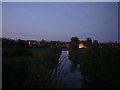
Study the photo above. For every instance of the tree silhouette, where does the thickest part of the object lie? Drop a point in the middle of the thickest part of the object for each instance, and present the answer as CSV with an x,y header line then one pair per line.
x,y
95,42
73,50
88,40
74,43
8,42
21,43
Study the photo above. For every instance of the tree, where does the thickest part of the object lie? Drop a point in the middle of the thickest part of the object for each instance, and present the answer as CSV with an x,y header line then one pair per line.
x,y
73,51
74,43
21,43
88,40
8,42
95,42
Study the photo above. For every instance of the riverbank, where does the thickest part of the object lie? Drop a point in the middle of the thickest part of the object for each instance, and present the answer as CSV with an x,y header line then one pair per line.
x,y
28,67
102,62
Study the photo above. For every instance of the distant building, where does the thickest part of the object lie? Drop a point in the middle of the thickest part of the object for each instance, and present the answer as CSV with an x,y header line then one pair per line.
x,y
32,42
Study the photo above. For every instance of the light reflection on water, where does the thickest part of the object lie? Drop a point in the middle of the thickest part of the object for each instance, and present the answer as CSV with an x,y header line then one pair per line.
x,y
68,75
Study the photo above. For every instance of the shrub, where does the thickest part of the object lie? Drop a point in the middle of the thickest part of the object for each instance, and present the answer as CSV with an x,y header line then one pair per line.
x,y
103,62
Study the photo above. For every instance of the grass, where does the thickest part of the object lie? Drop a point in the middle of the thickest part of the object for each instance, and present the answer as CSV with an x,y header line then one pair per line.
x,y
14,72
41,66
29,68
103,62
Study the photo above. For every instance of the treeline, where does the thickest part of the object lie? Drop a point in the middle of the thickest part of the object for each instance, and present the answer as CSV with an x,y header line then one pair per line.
x,y
10,42
27,65
6,42
75,43
100,60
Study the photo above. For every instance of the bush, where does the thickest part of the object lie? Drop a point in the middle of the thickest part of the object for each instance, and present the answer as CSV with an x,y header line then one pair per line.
x,y
41,66
103,62
16,52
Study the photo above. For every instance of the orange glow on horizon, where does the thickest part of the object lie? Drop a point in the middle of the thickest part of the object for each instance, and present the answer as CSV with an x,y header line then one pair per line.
x,y
81,46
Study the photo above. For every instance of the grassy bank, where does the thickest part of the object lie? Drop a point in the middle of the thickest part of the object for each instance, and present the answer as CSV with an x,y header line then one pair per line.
x,y
103,62
28,67
40,67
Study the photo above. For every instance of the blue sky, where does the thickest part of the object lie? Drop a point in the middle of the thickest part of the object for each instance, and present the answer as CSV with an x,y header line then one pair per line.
x,y
60,21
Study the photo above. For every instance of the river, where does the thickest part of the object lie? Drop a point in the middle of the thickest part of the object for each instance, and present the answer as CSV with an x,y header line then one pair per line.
x,y
68,75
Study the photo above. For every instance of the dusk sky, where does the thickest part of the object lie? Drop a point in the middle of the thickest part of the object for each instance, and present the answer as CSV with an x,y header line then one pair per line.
x,y
60,21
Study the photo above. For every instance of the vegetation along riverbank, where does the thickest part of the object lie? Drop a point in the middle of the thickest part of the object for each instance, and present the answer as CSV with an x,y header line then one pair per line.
x,y
103,61
28,67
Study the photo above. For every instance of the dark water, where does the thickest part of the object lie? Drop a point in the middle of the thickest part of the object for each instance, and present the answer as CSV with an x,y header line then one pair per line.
x,y
69,75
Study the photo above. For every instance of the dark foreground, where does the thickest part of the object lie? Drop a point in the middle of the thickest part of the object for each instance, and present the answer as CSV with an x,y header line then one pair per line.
x,y
47,67
28,67
102,62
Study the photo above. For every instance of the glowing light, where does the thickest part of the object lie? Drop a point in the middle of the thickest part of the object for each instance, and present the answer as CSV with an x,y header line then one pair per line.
x,y
81,46
28,42
34,42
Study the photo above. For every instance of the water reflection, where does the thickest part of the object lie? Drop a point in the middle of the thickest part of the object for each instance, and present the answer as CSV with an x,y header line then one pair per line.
x,y
69,75
73,67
